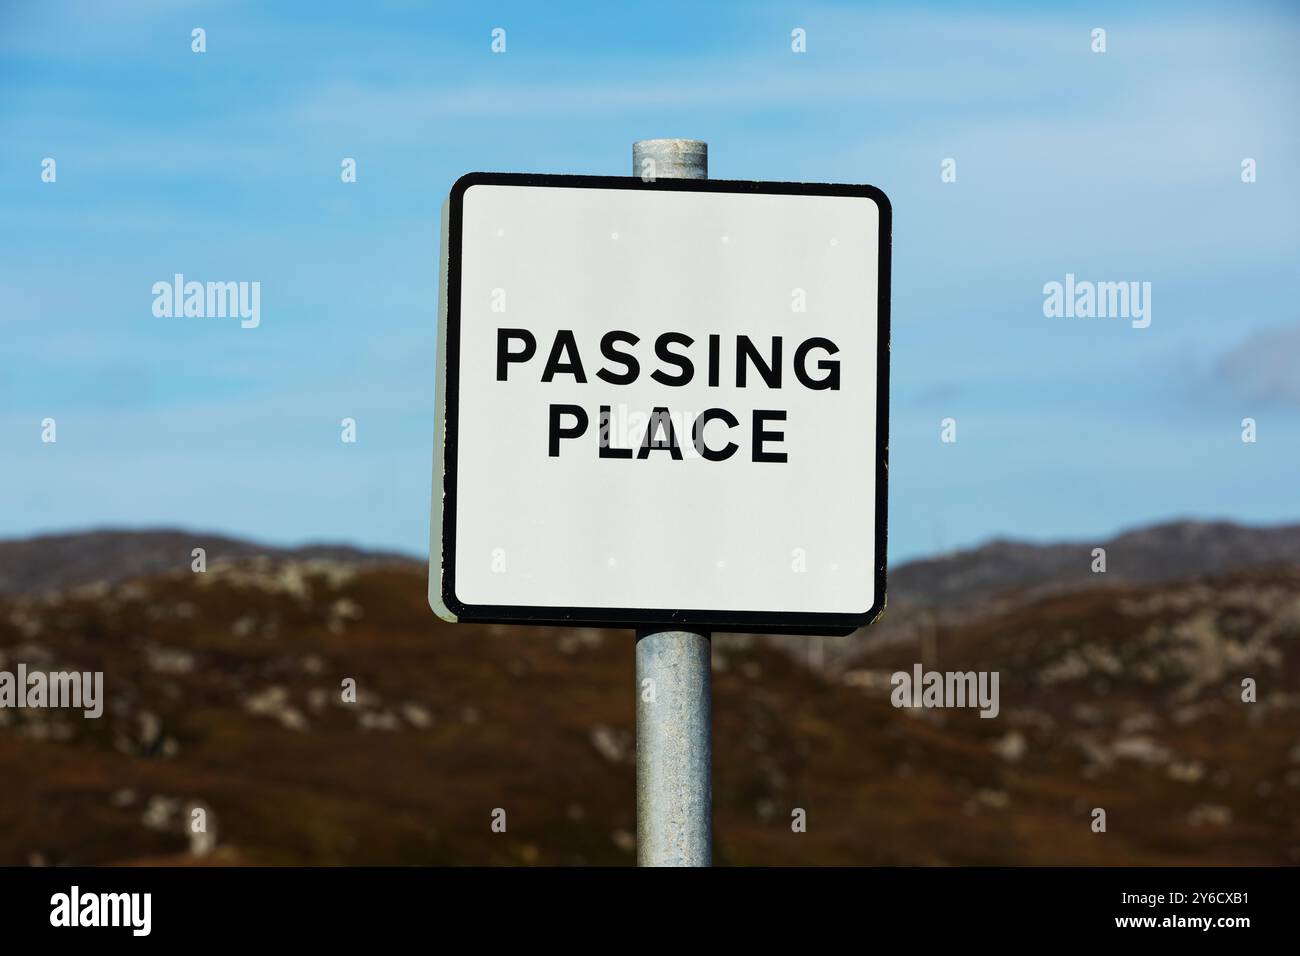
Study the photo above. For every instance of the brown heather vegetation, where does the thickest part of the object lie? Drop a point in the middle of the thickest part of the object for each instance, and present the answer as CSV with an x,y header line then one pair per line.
x,y
223,691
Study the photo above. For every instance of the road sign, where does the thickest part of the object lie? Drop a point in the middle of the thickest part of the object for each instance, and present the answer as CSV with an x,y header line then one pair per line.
x,y
662,402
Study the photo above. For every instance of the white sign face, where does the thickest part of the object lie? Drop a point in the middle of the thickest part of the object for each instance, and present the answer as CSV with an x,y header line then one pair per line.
x,y
662,402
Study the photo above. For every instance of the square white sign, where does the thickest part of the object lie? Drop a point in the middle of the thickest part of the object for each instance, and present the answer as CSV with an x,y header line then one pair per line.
x,y
662,403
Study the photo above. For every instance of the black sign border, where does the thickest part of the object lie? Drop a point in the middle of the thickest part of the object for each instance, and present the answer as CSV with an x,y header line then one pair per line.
x,y
766,622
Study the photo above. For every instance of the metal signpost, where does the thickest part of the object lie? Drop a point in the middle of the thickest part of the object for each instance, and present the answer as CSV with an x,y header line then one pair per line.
x,y
674,668
739,486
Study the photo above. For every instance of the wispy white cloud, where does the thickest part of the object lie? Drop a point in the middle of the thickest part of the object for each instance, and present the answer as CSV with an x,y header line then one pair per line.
x,y
1265,368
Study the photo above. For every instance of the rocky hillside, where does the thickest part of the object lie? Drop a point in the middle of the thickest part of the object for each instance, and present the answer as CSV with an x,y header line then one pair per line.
x,y
226,692
1164,552
60,561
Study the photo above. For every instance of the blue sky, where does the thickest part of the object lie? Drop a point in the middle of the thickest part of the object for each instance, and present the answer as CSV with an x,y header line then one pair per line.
x,y
1116,166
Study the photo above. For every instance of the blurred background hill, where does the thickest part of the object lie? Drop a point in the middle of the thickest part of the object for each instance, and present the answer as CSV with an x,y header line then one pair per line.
x,y
1119,690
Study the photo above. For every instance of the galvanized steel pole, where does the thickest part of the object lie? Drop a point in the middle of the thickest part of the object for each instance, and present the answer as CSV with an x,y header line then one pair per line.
x,y
674,729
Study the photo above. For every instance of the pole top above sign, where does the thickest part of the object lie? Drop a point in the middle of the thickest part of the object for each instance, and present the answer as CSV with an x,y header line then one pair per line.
x,y
663,400
670,158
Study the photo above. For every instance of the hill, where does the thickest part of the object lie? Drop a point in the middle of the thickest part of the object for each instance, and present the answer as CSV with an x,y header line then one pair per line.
x,y
224,692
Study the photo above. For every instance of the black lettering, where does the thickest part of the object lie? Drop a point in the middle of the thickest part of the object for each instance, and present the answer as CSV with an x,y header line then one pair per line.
x,y
505,356
697,434
629,361
558,432
745,351
681,361
564,342
605,450
761,435
831,379
659,417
